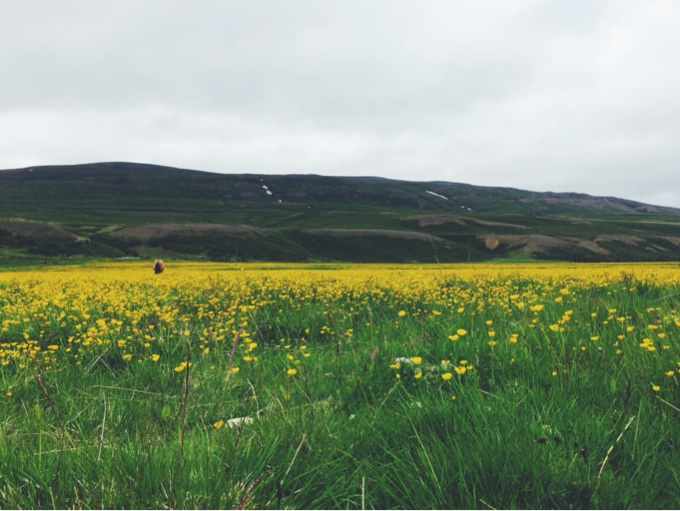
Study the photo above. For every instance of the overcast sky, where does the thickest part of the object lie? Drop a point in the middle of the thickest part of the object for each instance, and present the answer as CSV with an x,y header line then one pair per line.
x,y
577,95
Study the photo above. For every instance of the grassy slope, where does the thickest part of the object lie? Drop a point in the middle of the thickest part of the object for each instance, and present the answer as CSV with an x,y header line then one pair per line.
x,y
89,200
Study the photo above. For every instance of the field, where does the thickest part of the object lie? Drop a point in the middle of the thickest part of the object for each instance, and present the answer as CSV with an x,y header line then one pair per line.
x,y
487,386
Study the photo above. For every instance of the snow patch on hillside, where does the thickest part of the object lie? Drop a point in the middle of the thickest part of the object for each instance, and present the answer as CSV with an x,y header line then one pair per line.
x,y
436,194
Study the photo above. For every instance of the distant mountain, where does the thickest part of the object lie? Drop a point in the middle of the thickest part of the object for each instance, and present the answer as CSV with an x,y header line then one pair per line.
x,y
129,209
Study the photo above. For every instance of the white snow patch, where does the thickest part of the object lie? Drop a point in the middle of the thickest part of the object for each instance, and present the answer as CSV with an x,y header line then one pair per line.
x,y
265,187
436,194
268,192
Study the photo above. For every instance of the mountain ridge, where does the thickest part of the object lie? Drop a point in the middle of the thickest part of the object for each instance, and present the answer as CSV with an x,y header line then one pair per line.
x,y
314,217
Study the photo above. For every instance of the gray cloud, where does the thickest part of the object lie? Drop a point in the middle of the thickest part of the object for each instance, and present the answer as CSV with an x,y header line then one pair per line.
x,y
562,96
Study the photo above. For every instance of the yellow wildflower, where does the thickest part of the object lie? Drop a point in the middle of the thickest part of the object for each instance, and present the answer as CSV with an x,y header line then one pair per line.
x,y
181,367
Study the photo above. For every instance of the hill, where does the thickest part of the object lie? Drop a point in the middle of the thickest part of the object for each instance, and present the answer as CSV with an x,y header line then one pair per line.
x,y
138,210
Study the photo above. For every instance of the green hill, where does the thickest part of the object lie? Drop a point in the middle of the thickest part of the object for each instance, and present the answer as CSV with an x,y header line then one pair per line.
x,y
137,210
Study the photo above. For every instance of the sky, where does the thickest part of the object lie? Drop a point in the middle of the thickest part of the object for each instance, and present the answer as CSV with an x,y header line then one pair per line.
x,y
542,95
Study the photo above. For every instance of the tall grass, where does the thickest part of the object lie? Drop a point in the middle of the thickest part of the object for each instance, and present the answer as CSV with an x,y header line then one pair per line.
x,y
578,418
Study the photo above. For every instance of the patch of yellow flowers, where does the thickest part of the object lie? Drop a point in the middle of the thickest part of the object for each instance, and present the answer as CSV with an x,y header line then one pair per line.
x,y
53,316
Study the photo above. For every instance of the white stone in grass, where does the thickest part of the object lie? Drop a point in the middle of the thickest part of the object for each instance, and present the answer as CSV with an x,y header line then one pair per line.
x,y
233,423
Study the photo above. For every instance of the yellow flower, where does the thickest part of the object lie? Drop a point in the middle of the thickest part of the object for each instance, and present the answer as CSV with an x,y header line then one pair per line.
x,y
670,373
127,356
447,376
460,370
234,370
181,367
536,308
491,343
398,375
9,393
595,338
155,357
218,424
401,314
418,375
656,388
453,337
292,371
554,373
395,366
461,332
53,347
453,398
416,360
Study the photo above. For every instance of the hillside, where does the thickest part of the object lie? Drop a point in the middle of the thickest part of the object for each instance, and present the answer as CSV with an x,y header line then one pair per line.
x,y
137,210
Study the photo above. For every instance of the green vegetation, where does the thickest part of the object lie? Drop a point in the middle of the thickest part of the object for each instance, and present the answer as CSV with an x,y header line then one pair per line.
x,y
77,211
465,392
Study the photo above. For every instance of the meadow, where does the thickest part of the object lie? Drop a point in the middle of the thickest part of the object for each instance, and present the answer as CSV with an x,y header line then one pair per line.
x,y
482,386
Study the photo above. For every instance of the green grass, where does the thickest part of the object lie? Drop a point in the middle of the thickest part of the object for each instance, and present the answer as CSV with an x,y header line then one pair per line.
x,y
344,432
